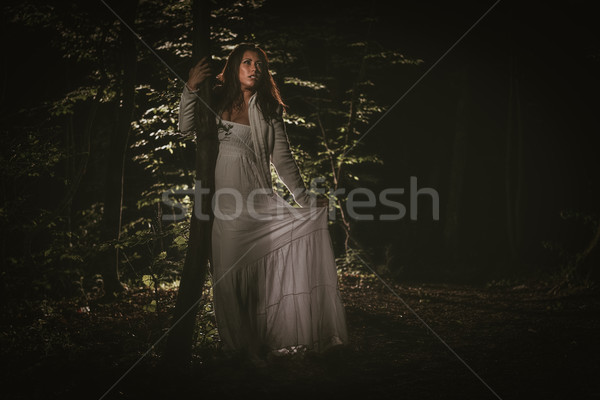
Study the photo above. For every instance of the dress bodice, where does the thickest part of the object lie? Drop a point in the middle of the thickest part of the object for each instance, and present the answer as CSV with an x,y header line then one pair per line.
x,y
235,138
233,131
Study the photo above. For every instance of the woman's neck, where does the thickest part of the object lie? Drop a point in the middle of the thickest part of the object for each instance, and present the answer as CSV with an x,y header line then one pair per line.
x,y
247,94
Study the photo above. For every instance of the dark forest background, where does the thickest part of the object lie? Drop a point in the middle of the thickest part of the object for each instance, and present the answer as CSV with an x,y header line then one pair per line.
x,y
503,128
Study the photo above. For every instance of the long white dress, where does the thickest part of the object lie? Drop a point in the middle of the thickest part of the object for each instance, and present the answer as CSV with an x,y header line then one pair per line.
x,y
274,273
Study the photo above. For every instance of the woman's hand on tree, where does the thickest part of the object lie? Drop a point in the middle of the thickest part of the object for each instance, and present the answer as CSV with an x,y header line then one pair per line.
x,y
198,74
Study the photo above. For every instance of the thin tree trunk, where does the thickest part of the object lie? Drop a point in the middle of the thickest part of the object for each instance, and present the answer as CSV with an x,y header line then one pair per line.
x,y
508,164
113,201
457,172
514,165
180,340
519,187
514,182
354,101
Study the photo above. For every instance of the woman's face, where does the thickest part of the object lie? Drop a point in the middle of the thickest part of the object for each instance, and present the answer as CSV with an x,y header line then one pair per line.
x,y
250,70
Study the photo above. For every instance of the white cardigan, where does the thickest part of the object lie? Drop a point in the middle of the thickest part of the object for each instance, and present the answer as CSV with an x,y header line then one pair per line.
x,y
268,138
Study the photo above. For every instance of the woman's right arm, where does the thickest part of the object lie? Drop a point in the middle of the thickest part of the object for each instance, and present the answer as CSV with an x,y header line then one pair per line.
x,y
189,105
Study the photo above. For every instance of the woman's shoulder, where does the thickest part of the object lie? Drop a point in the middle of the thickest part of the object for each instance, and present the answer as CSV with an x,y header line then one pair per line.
x,y
279,111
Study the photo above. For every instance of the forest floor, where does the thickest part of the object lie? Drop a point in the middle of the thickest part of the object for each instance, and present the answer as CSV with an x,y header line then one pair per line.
x,y
521,341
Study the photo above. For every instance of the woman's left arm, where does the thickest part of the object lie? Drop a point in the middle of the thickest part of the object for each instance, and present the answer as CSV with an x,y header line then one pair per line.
x,y
189,108
285,165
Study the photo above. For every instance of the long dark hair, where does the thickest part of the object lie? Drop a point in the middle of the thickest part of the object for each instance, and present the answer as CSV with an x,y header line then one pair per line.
x,y
228,92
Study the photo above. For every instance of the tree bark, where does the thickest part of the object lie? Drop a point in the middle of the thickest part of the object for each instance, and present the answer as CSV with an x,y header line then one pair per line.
x,y
514,165
119,137
457,173
179,344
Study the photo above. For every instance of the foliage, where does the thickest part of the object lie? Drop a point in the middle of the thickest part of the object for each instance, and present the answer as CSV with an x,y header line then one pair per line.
x,y
575,267
332,103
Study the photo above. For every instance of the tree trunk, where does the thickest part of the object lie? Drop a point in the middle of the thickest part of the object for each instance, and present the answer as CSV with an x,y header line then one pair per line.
x,y
180,341
514,165
113,201
457,173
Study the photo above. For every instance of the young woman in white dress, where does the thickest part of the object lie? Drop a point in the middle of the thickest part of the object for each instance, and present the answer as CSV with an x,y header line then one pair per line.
x,y
274,276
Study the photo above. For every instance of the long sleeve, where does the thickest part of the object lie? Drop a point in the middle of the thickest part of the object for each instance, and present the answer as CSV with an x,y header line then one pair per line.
x,y
286,166
189,109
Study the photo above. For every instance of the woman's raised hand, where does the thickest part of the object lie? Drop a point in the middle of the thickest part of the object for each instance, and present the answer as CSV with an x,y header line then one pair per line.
x,y
198,74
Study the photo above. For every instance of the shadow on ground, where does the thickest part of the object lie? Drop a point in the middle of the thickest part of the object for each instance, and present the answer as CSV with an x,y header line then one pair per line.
x,y
519,342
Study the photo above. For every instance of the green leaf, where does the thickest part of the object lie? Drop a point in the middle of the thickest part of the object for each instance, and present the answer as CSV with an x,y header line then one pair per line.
x,y
150,307
148,281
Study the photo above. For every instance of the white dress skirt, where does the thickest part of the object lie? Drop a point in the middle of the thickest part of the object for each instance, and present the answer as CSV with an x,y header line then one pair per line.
x,y
274,277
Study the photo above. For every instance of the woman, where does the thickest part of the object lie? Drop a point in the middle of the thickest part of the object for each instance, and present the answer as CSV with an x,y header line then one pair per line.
x,y
274,273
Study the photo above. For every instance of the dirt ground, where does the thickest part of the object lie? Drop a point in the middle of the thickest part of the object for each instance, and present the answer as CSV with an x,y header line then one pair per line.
x,y
518,342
